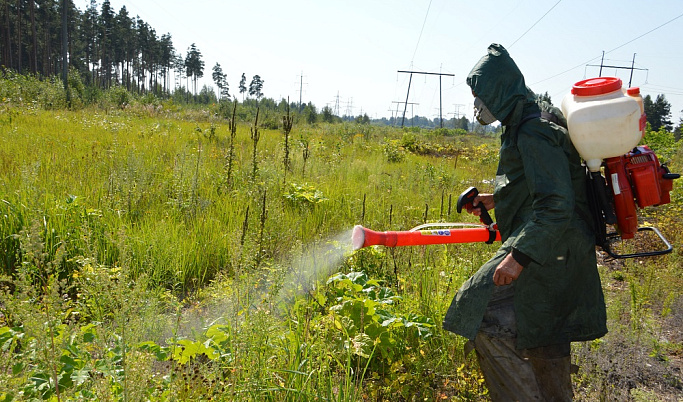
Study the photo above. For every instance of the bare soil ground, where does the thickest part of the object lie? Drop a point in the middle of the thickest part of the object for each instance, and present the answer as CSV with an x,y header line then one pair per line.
x,y
641,358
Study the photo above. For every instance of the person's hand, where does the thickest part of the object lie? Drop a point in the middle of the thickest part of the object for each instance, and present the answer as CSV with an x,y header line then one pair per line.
x,y
507,271
486,199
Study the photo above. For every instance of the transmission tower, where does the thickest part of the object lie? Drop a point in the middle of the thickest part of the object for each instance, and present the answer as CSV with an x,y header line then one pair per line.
x,y
349,107
457,109
412,105
633,62
408,93
301,90
336,104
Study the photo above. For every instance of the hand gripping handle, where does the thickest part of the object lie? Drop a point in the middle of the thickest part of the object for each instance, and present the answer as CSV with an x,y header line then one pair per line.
x,y
465,199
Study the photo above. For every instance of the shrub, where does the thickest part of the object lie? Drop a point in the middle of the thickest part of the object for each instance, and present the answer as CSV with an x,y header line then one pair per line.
x,y
394,152
444,132
304,195
29,89
662,142
409,142
118,96
77,87
148,99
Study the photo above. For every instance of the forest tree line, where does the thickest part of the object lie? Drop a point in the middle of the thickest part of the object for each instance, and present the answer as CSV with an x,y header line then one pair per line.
x,y
108,48
105,46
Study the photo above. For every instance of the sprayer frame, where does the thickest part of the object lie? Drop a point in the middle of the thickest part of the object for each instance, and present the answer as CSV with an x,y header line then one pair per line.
x,y
611,237
603,214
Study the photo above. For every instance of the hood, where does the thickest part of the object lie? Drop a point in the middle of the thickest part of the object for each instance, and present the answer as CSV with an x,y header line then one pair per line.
x,y
497,81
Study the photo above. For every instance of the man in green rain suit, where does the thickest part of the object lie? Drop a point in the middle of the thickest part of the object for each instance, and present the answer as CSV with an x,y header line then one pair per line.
x,y
542,289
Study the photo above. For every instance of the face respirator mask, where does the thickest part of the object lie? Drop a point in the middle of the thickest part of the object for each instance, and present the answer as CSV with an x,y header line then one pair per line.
x,y
482,113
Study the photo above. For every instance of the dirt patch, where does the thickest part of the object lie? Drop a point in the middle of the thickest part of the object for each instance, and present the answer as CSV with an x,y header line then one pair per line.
x,y
619,366
641,358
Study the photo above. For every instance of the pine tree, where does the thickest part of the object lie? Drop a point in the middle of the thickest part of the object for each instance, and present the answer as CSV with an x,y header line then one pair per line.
x,y
243,85
167,57
256,86
106,40
194,65
658,112
220,78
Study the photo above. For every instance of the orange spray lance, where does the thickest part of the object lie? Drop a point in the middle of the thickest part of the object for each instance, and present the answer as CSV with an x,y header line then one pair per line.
x,y
434,233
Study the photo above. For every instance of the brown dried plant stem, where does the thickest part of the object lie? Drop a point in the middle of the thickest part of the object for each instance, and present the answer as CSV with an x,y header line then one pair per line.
x,y
195,183
255,136
240,258
306,155
262,225
232,125
51,359
362,216
450,199
287,122
443,194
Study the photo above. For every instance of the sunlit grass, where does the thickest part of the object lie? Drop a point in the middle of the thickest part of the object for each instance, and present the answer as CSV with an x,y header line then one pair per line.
x,y
126,221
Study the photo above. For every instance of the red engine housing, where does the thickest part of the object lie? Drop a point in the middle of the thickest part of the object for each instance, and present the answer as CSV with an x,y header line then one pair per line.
x,y
636,178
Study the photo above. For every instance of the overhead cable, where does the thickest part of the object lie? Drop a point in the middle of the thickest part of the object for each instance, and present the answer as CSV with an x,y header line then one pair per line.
x,y
421,30
618,47
539,20
646,33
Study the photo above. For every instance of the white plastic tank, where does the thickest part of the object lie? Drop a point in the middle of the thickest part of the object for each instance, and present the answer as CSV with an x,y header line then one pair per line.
x,y
603,121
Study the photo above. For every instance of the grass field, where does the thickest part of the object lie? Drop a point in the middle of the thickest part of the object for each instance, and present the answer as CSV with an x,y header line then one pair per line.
x,y
148,254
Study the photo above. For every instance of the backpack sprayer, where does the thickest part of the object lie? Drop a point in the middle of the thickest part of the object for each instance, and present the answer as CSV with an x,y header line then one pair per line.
x,y
605,125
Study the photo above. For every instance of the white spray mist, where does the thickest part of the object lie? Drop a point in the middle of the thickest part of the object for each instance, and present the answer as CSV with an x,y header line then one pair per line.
x,y
305,271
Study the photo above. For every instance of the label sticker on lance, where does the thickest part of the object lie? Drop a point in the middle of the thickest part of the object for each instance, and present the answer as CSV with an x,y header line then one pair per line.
x,y
436,232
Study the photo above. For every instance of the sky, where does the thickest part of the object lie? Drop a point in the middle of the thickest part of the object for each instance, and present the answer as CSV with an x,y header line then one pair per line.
x,y
347,54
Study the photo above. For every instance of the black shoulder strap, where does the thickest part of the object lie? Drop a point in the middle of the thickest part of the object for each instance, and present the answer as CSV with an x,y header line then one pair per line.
x,y
553,118
521,123
529,117
545,115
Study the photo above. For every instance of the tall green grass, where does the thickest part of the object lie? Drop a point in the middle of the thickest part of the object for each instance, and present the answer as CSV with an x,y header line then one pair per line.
x,y
134,268
162,185
120,202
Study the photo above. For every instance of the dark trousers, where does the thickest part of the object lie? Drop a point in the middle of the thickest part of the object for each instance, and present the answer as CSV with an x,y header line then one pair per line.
x,y
540,374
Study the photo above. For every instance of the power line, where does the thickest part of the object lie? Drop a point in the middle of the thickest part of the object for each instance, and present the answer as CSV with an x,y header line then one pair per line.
x,y
618,47
669,91
646,33
665,88
539,20
421,30
567,70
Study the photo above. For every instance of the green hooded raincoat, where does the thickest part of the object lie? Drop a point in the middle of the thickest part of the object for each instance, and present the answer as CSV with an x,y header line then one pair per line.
x,y
540,201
